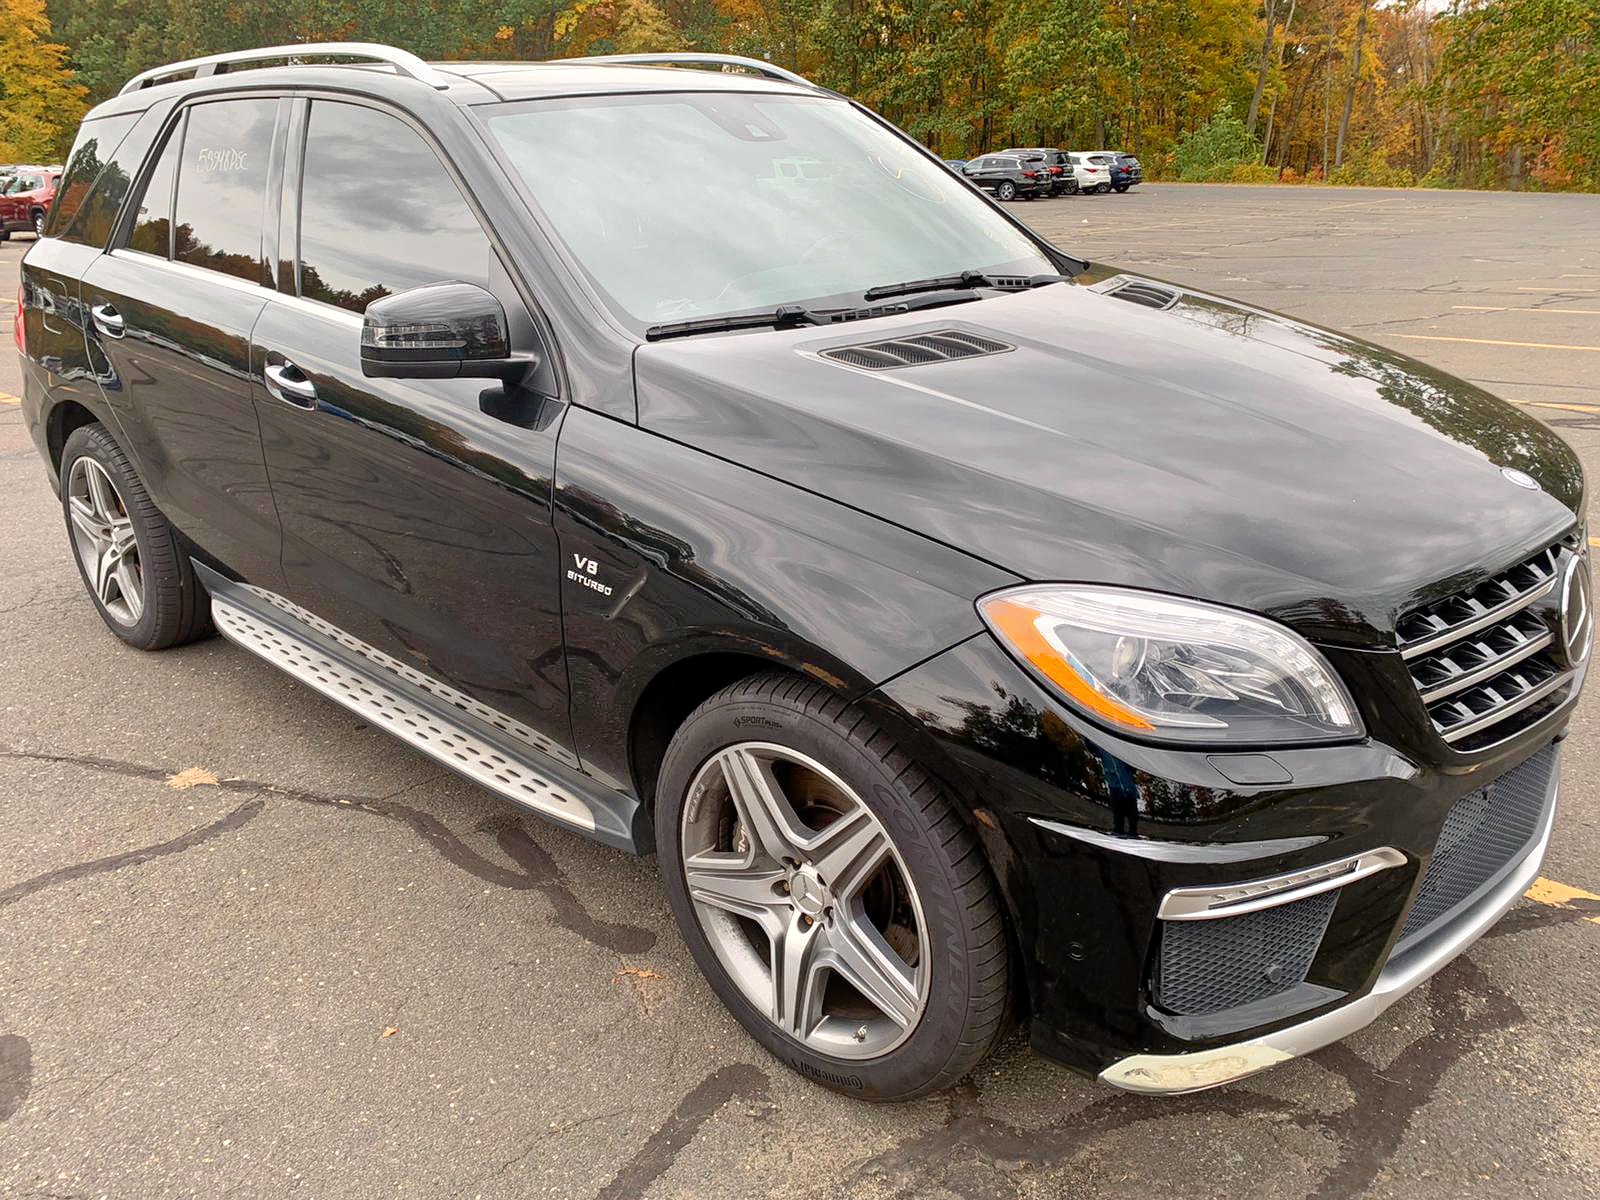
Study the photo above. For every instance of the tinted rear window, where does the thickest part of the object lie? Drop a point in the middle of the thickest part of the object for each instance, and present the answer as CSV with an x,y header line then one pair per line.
x,y
222,186
152,220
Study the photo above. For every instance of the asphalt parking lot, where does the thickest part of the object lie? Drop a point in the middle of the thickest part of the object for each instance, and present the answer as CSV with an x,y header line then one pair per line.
x,y
250,947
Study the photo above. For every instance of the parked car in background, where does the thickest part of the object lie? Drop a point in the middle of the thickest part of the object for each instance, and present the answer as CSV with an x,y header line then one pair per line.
x,y
1057,167
956,164
27,199
1125,170
1009,176
1092,176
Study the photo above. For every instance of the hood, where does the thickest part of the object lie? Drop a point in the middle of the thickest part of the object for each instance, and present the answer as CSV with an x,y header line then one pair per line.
x,y
1203,448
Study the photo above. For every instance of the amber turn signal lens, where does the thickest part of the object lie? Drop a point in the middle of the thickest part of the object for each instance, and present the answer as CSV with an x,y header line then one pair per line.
x,y
1018,625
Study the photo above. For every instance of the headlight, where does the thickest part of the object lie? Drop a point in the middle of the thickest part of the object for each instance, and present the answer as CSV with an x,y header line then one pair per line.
x,y
1172,670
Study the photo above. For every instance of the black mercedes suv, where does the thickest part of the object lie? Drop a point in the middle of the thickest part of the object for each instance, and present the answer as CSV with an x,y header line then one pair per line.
x,y
971,630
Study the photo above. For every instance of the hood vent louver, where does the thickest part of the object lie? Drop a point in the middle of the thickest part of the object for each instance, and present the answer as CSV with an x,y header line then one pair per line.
x,y
1151,295
938,346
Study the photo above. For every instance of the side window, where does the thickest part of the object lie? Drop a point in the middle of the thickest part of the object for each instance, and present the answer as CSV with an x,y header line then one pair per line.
x,y
222,186
95,182
152,220
378,212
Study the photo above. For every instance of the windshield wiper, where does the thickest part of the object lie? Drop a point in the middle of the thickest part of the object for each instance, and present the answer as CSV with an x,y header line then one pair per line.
x,y
785,316
792,316
965,279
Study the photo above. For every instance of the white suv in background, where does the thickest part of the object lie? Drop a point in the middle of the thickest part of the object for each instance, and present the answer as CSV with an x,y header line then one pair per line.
x,y
1092,176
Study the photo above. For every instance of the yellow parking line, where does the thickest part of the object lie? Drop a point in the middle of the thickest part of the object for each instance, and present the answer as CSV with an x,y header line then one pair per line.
x,y
1577,408
1571,312
1423,337
1559,895
7,398
1594,541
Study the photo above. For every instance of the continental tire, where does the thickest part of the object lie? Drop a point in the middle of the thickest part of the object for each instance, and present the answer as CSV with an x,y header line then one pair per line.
x,y
830,892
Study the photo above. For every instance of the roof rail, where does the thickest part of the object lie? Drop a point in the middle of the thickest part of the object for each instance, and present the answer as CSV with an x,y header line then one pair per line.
x,y
693,59
215,64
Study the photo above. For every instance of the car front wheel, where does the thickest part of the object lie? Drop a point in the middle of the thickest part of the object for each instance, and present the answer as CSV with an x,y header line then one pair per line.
x,y
831,894
1007,190
38,224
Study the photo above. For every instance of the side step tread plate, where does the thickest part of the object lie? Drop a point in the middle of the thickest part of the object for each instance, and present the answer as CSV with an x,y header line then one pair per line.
x,y
520,774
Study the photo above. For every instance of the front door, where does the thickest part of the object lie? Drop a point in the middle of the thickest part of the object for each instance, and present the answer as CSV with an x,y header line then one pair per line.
x,y
416,514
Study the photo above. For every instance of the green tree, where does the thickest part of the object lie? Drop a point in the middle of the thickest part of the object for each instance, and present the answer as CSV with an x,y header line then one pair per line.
x,y
1216,148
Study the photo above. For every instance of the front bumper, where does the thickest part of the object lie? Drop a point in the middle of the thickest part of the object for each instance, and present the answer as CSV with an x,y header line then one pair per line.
x,y
1088,836
1174,1074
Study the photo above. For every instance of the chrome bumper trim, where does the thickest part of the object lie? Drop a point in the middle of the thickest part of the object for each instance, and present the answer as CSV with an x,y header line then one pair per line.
x,y
1234,899
1174,1074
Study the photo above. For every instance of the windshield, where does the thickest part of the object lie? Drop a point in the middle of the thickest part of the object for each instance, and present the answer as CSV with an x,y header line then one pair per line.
x,y
736,201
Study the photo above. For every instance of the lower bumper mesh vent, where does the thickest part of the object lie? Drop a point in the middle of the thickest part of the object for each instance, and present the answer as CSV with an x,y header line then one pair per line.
x,y
1209,966
1485,835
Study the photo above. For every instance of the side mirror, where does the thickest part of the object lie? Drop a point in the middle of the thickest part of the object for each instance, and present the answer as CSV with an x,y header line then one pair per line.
x,y
439,331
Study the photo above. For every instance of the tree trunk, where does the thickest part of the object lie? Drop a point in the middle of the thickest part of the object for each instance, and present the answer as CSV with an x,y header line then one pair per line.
x,y
1327,94
1261,67
1272,109
1350,88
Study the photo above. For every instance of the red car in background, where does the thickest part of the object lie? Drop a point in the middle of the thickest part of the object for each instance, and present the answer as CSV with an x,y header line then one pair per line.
x,y
26,200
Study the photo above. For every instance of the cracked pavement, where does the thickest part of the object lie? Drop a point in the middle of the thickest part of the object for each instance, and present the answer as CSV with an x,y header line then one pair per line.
x,y
340,971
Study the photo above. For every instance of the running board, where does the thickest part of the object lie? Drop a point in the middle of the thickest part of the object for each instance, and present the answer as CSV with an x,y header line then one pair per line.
x,y
462,734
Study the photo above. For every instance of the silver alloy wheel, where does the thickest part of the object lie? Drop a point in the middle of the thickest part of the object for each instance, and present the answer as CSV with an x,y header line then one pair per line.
x,y
804,900
103,539
38,224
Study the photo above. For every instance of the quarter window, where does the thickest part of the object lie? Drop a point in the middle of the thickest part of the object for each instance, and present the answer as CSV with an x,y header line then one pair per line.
x,y
222,186
94,184
378,212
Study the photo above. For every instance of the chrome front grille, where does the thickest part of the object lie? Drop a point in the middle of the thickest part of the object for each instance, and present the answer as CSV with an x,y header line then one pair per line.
x,y
1487,661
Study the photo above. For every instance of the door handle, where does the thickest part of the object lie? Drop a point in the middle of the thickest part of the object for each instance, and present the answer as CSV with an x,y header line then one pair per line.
x,y
108,320
289,384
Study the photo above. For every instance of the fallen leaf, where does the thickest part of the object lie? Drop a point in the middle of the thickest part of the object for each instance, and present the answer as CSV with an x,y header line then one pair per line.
x,y
639,973
192,777
388,1031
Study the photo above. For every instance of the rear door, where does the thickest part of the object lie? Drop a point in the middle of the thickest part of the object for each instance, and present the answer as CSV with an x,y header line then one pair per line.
x,y
170,309
416,513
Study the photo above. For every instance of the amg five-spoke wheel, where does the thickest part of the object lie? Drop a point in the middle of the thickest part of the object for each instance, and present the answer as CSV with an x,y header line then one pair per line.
x,y
129,556
833,895
103,538
801,895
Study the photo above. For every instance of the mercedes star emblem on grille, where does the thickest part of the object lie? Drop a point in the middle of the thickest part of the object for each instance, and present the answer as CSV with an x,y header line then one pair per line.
x,y
1577,614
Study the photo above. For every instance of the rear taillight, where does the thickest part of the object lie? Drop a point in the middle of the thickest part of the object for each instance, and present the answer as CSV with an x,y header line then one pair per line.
x,y
1030,174
1055,170
22,341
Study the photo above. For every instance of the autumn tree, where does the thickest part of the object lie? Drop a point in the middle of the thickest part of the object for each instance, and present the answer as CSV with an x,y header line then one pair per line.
x,y
40,104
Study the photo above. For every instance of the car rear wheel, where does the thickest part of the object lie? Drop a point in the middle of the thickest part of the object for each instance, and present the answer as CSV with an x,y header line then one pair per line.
x,y
1007,190
832,896
127,554
1102,187
1122,187
38,223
